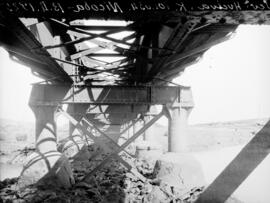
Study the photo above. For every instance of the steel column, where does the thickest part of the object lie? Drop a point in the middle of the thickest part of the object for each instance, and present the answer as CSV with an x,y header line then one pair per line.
x,y
45,128
46,166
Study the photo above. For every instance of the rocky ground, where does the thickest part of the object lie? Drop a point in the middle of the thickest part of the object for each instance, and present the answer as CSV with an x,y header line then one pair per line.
x,y
114,183
111,184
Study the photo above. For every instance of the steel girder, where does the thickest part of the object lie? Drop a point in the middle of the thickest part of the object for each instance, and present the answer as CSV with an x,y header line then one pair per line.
x,y
110,95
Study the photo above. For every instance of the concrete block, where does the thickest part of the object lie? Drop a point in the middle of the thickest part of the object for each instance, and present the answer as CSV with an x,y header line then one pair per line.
x,y
179,170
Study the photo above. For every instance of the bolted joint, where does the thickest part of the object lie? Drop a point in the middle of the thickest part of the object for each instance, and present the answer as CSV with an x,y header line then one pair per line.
x,y
184,101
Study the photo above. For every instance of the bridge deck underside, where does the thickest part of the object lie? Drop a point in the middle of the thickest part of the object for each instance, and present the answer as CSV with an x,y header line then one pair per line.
x,y
148,50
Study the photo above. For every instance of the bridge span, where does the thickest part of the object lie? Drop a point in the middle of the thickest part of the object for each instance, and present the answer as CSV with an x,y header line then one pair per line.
x,y
111,63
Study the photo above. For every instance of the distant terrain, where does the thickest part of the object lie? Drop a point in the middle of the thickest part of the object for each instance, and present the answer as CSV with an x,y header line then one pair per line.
x,y
16,135
214,135
19,134
223,134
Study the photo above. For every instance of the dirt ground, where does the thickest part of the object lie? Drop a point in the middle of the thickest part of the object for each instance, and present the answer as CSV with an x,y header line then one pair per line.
x,y
18,138
15,136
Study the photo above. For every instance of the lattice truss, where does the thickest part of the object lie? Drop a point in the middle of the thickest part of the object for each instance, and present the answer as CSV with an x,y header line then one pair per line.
x,y
112,52
150,49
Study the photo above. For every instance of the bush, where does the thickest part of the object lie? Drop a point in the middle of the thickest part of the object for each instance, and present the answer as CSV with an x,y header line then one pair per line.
x,y
21,137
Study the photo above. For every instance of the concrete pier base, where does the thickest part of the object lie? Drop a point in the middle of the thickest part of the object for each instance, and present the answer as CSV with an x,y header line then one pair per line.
x,y
179,170
177,115
177,130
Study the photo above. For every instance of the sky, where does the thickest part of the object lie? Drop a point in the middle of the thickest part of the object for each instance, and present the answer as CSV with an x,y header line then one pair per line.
x,y
229,83
232,81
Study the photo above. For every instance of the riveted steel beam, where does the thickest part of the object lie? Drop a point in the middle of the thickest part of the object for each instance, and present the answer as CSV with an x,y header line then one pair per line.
x,y
43,94
122,109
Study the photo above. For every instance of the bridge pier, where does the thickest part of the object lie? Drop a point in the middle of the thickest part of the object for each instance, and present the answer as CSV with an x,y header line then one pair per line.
x,y
46,166
112,107
177,130
177,115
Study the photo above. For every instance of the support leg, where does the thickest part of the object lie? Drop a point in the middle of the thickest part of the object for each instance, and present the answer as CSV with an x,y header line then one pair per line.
x,y
46,166
177,115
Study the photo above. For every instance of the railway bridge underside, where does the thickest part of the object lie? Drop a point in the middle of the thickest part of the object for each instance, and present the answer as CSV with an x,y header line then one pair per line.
x,y
103,115
107,79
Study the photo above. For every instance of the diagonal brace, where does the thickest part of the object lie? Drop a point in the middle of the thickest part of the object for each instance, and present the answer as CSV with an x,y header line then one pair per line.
x,y
99,142
88,122
123,146
239,169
